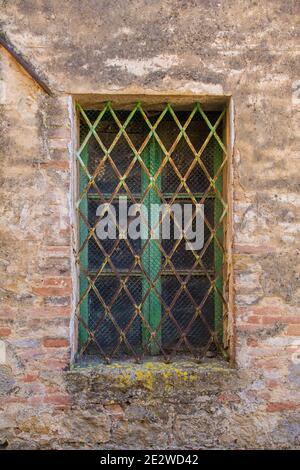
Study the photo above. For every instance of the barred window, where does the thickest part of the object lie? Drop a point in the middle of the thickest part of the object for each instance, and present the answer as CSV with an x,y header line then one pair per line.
x,y
160,290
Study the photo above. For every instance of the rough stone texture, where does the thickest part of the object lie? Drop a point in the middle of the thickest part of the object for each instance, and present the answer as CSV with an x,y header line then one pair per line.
x,y
241,48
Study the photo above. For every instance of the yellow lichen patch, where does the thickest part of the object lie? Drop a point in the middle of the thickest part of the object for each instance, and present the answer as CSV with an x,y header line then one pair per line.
x,y
167,375
146,377
124,380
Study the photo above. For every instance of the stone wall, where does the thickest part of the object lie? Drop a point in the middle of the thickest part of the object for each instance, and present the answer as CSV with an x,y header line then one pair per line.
x,y
241,48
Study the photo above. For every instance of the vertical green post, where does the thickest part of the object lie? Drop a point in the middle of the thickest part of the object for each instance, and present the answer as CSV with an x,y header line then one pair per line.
x,y
151,257
218,255
83,233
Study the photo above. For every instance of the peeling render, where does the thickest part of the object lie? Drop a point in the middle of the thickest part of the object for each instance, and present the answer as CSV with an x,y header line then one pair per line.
x,y
141,67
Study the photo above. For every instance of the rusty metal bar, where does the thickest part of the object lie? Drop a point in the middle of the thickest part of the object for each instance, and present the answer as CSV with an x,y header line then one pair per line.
x,y
166,269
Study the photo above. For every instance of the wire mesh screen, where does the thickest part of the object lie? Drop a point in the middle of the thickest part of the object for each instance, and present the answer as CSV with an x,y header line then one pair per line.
x,y
150,294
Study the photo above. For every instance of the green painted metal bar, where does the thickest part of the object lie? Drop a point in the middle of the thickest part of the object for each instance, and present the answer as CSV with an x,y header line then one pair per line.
x,y
218,255
83,233
151,257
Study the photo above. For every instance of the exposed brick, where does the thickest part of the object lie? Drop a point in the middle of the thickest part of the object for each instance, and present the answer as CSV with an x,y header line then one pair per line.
x,y
282,406
56,165
58,143
273,384
56,251
227,397
51,291
29,378
293,330
8,312
59,400
55,343
261,310
268,363
270,320
4,332
55,364
16,400
61,132
57,281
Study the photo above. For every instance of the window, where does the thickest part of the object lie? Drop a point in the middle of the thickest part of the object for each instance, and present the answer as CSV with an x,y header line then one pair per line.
x,y
157,291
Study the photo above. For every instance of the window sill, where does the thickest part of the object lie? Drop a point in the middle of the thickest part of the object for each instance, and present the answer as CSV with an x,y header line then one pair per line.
x,y
125,380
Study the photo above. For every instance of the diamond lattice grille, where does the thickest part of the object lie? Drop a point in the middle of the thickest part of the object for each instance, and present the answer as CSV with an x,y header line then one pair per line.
x,y
151,296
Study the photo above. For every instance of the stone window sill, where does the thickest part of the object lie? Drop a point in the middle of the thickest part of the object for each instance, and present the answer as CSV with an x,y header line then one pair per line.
x,y
126,379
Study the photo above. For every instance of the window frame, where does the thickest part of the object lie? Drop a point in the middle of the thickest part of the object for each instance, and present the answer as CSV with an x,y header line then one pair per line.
x,y
221,185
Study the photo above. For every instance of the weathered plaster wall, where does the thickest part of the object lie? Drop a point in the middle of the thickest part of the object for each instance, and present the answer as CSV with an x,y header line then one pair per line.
x,y
242,48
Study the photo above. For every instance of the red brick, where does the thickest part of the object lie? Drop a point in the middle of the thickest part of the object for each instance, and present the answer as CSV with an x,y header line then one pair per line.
x,y
28,378
273,384
57,364
8,312
268,363
4,332
225,397
271,320
56,165
55,343
15,399
51,291
57,399
283,319
65,232
57,281
259,310
282,406
254,319
57,250
293,330
58,144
